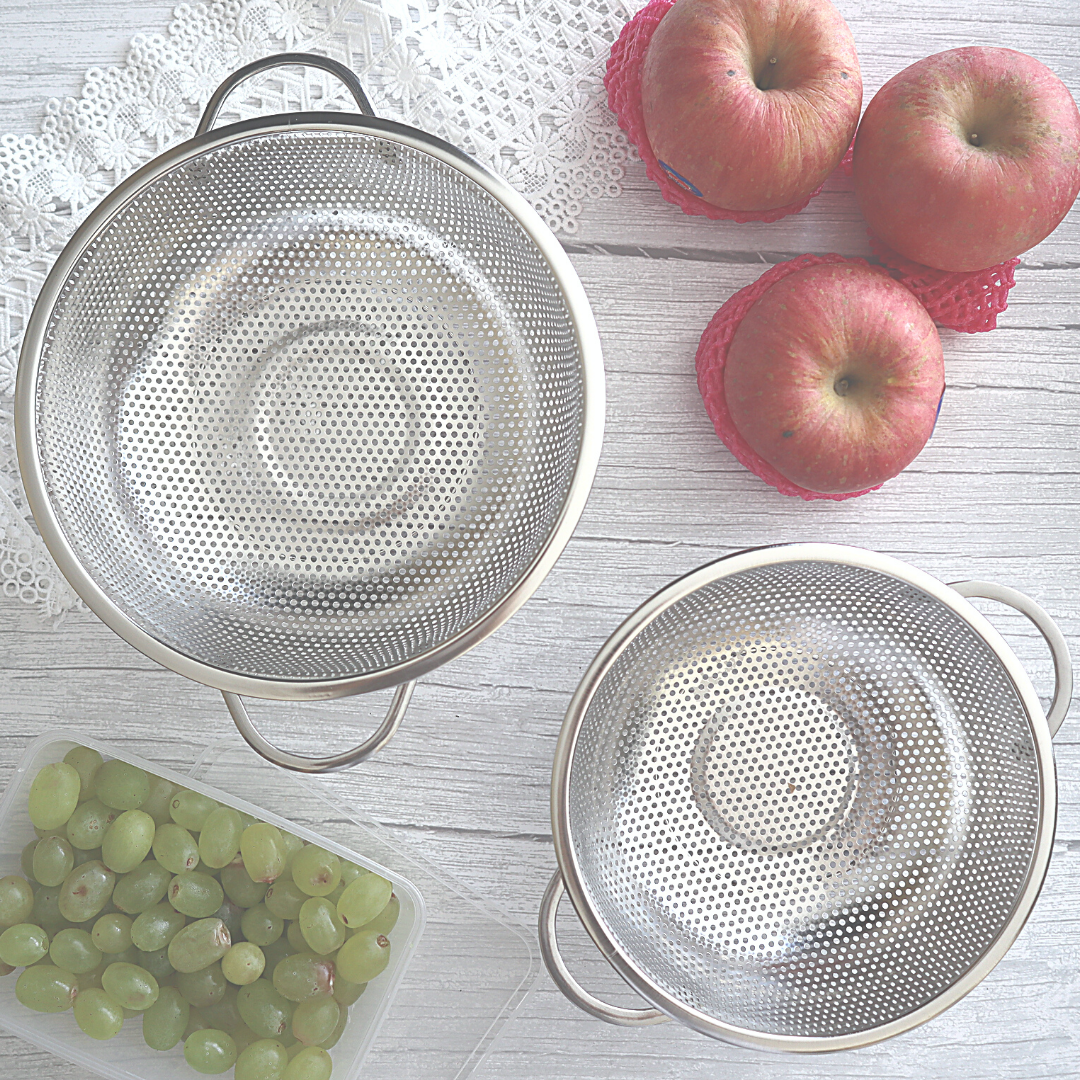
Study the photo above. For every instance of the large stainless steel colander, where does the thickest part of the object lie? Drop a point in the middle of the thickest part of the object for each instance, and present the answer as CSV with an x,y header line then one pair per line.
x,y
308,406
804,798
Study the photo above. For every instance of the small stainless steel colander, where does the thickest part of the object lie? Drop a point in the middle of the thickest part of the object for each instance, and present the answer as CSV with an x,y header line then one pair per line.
x,y
309,406
804,798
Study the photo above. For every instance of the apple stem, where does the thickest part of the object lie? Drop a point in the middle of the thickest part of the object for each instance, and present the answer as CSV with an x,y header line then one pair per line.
x,y
973,139
842,386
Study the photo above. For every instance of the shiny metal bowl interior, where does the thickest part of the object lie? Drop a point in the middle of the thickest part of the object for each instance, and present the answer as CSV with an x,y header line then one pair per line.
x,y
804,801
309,405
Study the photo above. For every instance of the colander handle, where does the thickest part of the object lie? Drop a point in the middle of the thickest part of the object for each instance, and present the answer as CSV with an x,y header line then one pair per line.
x,y
1059,648
560,973
297,762
352,83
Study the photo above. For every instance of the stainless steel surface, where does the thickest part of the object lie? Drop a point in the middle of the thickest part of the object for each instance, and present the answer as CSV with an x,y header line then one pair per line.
x,y
560,973
298,762
1055,639
804,798
276,60
309,406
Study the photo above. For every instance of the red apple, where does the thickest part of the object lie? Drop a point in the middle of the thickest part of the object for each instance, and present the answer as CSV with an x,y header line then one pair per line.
x,y
750,104
834,377
968,158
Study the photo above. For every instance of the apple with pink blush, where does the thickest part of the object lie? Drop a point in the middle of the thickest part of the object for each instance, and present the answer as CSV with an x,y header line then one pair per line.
x,y
834,377
968,158
750,104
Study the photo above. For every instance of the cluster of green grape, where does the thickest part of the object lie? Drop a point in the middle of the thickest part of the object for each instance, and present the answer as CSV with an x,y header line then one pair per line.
x,y
142,898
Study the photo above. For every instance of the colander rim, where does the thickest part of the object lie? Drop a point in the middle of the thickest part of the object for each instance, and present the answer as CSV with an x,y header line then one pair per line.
x,y
597,927
589,446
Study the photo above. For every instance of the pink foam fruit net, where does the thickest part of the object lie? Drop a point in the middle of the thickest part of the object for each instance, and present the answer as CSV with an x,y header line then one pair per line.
x,y
623,82
712,356
968,300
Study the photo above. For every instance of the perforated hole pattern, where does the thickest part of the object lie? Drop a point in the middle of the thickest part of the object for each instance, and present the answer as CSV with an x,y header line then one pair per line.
x,y
804,799
310,405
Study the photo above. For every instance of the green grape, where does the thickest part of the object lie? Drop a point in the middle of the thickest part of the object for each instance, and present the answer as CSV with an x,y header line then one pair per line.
x,y
262,1060
293,844
224,1012
315,1021
296,937
121,786
219,840
86,827
112,933
322,929
312,1063
43,834
154,928
199,944
85,891
285,898
130,985
203,987
190,809
165,1021
210,1051
141,889
74,951
336,1034
350,872
387,919
86,763
243,1036
26,860
304,976
54,794
97,1014
239,887
263,851
278,951
54,859
363,956
175,848
335,895
230,915
196,1022
46,910
261,926
347,993
158,803
47,988
16,900
156,962
315,871
243,963
195,894
85,857
23,944
363,900
129,956
127,841
91,980
264,1010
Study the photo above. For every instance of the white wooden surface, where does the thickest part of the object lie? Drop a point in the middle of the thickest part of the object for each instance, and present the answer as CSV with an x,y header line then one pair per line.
x,y
994,495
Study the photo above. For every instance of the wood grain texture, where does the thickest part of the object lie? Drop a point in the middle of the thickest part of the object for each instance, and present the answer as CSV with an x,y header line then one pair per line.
x,y
994,495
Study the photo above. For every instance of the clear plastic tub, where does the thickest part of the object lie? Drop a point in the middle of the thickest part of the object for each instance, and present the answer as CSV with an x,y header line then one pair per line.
x,y
455,982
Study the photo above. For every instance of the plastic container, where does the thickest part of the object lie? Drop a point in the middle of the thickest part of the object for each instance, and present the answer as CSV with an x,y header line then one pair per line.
x,y
469,971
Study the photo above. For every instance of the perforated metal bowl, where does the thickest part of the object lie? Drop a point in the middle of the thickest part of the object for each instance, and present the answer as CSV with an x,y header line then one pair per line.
x,y
309,406
804,799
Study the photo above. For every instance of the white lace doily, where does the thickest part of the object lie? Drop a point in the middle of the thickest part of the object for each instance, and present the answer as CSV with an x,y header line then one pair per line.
x,y
516,83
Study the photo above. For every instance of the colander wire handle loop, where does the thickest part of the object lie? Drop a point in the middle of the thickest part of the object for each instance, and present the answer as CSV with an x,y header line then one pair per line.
x,y
560,973
299,763
1059,648
352,83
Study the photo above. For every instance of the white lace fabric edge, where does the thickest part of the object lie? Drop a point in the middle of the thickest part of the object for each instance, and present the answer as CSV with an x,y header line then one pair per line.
x,y
516,83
